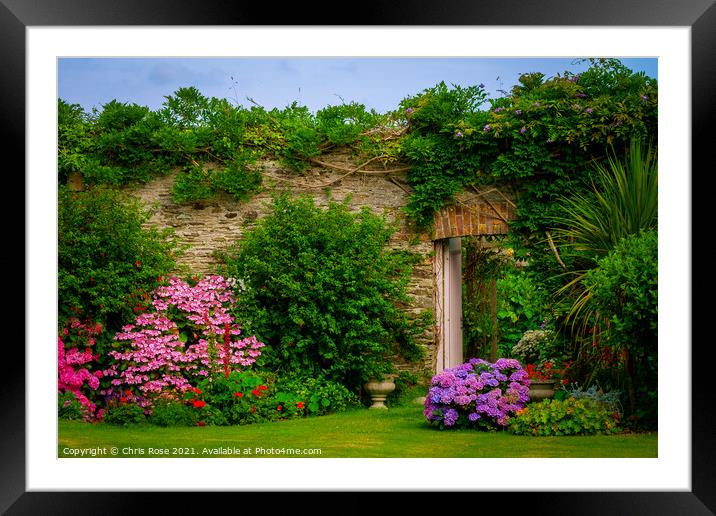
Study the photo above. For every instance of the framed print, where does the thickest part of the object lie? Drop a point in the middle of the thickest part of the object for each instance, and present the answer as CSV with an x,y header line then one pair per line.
x,y
38,36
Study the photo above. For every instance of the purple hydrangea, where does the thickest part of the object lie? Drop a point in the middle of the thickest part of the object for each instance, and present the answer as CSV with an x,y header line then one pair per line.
x,y
450,417
523,130
458,134
486,128
498,109
477,393
409,111
588,110
518,112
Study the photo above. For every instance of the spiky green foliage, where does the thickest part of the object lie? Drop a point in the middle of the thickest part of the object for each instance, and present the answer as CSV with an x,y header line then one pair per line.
x,y
622,201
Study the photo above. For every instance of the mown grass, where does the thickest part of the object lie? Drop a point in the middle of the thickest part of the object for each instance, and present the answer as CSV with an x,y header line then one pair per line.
x,y
398,432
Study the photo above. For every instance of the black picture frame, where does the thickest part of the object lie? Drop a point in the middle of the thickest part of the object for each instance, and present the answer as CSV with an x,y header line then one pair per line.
x,y
699,15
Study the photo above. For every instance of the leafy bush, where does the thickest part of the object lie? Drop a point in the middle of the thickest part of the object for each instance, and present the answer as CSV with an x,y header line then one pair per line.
x,y
105,257
73,139
477,394
318,395
69,407
124,414
232,399
342,125
324,293
567,417
240,178
194,184
624,289
521,306
252,397
169,412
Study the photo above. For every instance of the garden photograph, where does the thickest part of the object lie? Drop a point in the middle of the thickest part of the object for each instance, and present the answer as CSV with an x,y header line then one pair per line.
x,y
357,258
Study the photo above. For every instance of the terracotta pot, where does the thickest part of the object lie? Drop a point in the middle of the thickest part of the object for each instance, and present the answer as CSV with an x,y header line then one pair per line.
x,y
541,389
378,391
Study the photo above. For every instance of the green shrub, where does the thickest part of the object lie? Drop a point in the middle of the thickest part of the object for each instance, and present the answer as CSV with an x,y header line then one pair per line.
x,y
521,307
172,413
107,261
318,395
68,407
566,417
241,398
73,139
193,184
124,414
254,396
324,293
624,290
240,178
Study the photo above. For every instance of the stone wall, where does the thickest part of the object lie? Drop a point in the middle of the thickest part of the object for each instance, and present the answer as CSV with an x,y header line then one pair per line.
x,y
215,224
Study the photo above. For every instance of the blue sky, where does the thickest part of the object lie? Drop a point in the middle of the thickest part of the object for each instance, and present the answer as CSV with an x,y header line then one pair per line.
x,y
379,83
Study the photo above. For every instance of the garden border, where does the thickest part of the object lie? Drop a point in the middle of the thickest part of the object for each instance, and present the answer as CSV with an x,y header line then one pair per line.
x,y
700,15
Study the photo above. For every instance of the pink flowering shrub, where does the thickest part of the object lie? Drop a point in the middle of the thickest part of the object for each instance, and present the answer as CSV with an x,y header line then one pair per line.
x,y
74,359
188,336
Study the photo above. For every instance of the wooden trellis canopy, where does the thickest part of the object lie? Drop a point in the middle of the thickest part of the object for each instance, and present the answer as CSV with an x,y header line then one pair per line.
x,y
481,217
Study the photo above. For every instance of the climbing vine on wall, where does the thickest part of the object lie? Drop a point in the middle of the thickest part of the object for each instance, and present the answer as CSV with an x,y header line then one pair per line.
x,y
541,136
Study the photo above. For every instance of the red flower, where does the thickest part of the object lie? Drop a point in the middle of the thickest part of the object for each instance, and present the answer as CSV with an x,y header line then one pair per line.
x,y
279,408
198,403
122,399
256,392
128,392
201,423
137,263
299,404
239,394
262,387
197,390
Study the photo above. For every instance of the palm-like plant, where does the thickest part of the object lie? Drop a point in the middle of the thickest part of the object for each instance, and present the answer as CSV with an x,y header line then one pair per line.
x,y
622,201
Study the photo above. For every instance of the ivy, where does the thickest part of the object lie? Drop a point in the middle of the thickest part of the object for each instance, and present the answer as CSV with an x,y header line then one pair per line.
x,y
543,136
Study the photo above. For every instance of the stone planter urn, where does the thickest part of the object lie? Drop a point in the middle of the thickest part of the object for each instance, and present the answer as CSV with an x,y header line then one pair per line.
x,y
541,389
378,391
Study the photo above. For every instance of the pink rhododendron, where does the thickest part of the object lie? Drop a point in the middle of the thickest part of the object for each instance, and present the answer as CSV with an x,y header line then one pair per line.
x,y
189,336
71,376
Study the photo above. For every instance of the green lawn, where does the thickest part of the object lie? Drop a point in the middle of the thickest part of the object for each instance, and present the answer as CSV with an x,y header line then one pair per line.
x,y
398,432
